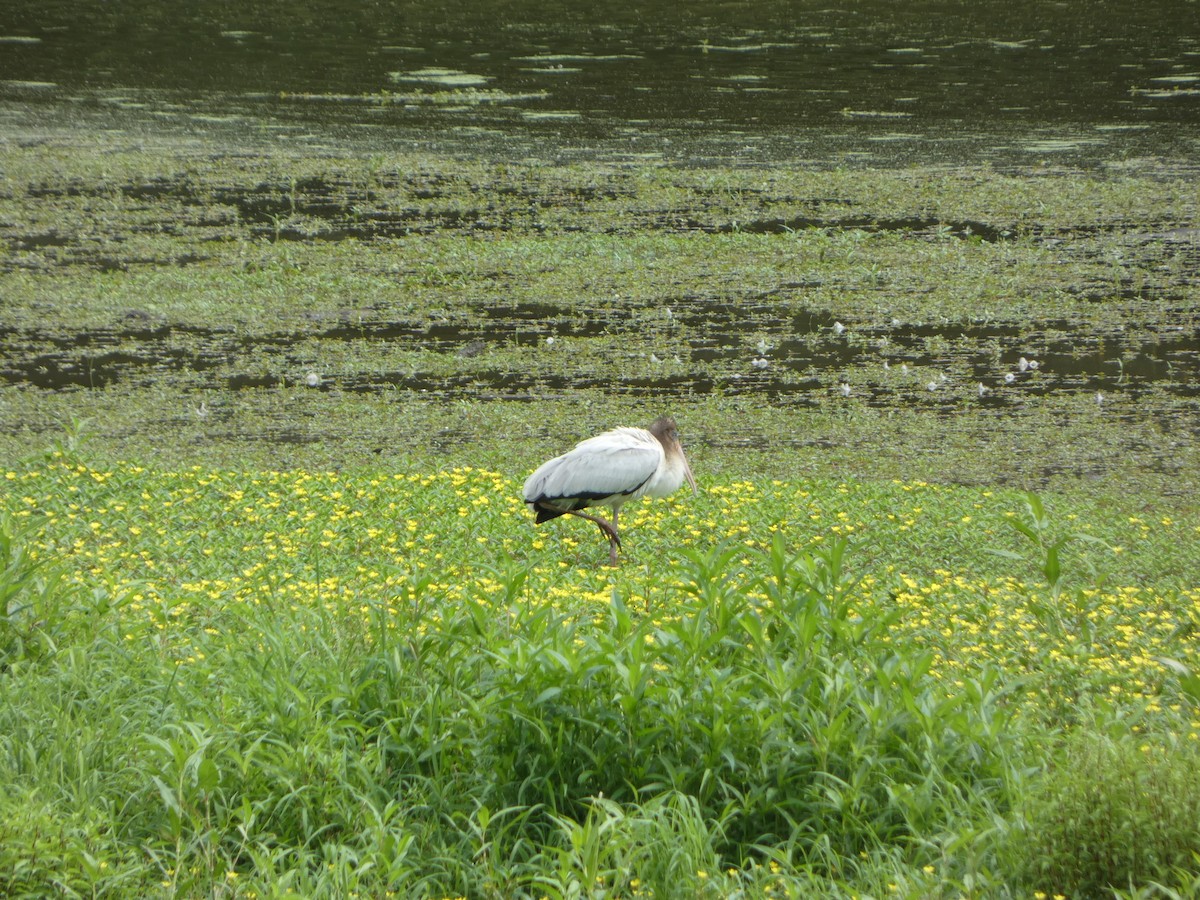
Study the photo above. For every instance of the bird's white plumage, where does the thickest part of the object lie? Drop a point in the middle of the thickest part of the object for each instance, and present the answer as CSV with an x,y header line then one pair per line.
x,y
610,470
618,465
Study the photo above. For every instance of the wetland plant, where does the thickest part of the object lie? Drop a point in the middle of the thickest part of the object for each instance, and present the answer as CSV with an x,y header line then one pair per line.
x,y
293,681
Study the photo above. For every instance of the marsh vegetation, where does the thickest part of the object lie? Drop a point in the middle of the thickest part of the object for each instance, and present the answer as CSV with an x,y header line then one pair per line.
x,y
1031,328
282,335
238,684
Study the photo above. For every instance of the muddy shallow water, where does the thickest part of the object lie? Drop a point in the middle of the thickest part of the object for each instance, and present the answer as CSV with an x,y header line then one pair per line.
x,y
222,310
957,241
1065,358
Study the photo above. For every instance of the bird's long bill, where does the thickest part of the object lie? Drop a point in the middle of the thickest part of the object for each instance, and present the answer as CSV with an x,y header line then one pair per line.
x,y
687,473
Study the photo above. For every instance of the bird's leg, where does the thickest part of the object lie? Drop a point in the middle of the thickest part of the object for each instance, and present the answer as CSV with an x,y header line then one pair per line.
x,y
610,531
614,541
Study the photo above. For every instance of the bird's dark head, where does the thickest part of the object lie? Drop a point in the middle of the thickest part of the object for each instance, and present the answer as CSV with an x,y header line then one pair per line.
x,y
665,430
667,433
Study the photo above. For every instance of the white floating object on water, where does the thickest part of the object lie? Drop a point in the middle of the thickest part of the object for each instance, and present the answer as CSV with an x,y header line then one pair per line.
x,y
312,379
760,363
1023,364
885,365
845,389
982,389
435,75
763,346
1099,399
1010,378
654,359
202,410
1033,364
838,327
550,342
904,368
932,386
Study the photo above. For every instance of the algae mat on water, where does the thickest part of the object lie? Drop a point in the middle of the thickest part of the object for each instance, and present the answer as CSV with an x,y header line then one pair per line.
x,y
1034,328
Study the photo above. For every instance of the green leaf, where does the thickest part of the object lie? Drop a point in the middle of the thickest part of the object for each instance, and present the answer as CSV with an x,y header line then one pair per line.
x,y
170,801
1006,554
1189,681
208,776
548,694
1052,570
1024,529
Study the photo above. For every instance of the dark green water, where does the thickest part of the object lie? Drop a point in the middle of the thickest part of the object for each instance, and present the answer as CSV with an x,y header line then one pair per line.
x,y
871,81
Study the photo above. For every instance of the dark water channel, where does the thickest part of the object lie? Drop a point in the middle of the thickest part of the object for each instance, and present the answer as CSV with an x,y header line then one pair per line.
x,y
797,364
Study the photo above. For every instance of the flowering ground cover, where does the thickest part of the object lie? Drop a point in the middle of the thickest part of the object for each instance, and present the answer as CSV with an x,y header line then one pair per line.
x,y
374,683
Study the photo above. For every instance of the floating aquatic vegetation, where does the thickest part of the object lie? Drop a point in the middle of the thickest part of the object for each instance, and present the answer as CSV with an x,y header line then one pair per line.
x,y
448,77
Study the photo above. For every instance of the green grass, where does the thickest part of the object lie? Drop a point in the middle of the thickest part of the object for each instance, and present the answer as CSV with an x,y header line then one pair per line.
x,y
223,683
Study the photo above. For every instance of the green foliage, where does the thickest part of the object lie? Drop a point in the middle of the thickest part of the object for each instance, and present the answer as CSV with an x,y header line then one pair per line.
x,y
786,719
660,848
46,853
1036,527
1111,813
34,600
295,684
1186,678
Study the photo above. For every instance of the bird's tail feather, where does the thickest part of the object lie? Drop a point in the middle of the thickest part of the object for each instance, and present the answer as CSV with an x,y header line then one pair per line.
x,y
545,514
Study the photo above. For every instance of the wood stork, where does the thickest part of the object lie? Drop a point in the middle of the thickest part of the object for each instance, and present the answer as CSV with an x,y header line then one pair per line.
x,y
610,469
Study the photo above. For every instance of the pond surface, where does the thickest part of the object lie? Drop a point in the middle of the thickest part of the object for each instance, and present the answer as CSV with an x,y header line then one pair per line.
x,y
857,81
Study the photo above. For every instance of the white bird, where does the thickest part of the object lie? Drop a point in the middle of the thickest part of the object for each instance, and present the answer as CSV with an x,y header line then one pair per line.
x,y
610,469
